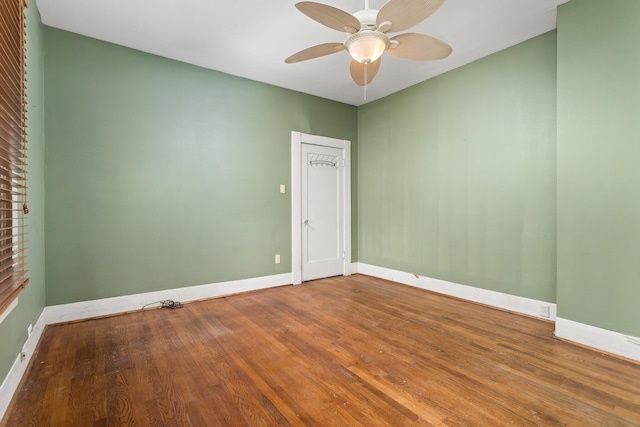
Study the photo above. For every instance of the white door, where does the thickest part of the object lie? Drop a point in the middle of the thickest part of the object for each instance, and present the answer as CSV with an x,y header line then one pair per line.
x,y
321,207
322,212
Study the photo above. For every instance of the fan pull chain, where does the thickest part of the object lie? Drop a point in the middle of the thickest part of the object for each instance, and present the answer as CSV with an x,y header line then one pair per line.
x,y
365,80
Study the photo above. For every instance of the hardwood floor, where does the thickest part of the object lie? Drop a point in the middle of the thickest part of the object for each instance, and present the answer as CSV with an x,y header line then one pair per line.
x,y
345,351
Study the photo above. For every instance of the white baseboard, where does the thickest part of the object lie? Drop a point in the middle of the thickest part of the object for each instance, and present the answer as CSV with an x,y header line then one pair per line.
x,y
13,378
500,300
107,306
602,339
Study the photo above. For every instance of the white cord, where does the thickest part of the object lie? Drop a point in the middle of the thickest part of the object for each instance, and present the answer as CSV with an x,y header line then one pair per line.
x,y
365,80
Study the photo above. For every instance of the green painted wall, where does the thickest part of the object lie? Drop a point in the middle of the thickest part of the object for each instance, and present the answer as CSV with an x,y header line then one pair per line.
x,y
457,174
162,174
13,331
598,164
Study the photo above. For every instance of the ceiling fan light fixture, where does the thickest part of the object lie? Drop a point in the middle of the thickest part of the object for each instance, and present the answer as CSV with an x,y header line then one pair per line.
x,y
367,46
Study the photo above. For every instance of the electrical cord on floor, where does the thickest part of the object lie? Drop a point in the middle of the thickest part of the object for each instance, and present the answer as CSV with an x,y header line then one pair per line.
x,y
167,303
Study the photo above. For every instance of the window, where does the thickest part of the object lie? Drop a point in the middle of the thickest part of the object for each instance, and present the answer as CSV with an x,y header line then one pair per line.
x,y
13,161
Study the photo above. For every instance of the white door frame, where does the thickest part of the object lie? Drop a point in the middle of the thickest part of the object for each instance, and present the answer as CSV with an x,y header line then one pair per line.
x,y
297,139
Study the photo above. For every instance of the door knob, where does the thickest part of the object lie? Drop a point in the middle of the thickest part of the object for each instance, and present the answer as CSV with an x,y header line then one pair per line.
x,y
306,222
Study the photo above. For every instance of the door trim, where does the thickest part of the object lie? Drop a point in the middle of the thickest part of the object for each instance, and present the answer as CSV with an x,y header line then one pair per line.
x,y
297,139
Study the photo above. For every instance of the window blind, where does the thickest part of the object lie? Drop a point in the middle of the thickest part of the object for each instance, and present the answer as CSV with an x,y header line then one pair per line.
x,y
13,161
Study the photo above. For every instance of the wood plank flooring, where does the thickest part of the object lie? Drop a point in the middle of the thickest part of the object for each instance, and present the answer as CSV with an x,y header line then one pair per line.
x,y
346,351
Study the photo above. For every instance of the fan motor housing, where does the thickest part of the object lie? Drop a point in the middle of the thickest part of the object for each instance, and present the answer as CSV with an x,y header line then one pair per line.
x,y
367,18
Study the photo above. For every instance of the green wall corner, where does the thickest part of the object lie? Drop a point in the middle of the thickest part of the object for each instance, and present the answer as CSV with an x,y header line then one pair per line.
x,y
598,169
162,174
457,174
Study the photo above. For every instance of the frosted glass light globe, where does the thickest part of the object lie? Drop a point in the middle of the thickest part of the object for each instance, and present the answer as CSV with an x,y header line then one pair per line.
x,y
367,46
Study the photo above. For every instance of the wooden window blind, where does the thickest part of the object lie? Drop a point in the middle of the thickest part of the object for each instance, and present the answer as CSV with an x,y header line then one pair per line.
x,y
13,150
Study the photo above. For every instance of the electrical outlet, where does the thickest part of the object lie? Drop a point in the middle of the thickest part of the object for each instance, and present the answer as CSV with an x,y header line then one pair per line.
x,y
277,259
283,189
545,311
29,331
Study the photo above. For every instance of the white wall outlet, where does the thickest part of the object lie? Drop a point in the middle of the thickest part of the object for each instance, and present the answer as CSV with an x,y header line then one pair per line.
x,y
29,331
545,311
283,189
277,259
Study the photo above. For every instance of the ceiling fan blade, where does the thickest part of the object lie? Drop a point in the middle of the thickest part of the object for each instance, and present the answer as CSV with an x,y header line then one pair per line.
x,y
357,70
404,14
419,47
330,16
315,52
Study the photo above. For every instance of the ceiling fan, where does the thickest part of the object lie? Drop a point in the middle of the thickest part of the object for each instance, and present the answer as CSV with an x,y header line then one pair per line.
x,y
367,35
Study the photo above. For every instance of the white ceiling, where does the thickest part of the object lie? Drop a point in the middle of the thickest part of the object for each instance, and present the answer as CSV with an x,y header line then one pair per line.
x,y
252,38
